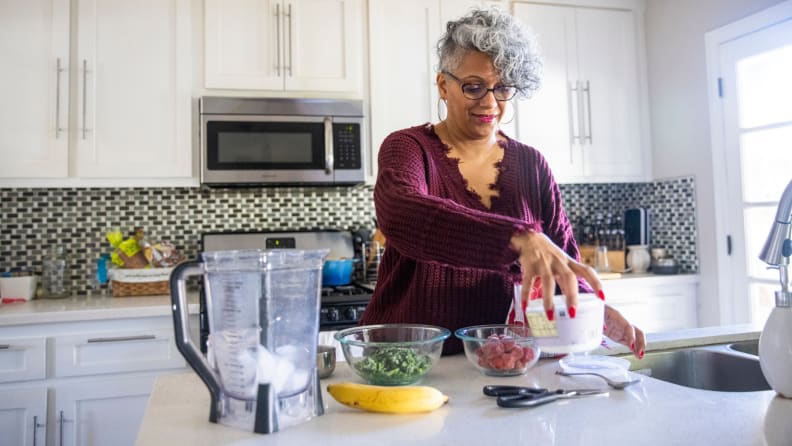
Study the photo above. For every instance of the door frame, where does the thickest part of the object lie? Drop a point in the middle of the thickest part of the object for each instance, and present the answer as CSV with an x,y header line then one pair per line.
x,y
727,301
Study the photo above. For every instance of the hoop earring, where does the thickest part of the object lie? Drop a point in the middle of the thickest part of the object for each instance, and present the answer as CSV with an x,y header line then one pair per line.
x,y
441,100
512,116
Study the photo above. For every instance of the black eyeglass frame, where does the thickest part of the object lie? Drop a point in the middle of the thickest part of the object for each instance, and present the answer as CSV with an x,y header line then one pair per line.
x,y
485,90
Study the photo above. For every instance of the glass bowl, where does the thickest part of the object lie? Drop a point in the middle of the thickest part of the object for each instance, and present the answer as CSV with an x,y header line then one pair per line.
x,y
392,354
499,350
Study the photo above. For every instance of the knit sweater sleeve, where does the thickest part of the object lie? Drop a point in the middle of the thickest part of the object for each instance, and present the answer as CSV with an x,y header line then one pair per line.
x,y
430,228
556,224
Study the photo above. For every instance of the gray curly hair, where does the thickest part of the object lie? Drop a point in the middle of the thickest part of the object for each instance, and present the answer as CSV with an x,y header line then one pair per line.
x,y
510,44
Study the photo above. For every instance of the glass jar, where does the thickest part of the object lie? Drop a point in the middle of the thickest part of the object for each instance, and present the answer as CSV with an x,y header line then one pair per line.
x,y
53,274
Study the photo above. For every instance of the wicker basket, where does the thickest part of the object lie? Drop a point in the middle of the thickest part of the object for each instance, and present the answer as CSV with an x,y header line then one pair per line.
x,y
140,282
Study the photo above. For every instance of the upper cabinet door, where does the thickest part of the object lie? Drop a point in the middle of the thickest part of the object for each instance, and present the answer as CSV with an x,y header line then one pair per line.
x,y
402,39
133,89
34,112
292,45
324,45
244,44
587,118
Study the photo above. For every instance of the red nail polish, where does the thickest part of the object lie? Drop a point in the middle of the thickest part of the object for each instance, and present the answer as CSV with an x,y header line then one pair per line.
x,y
572,312
632,346
550,315
604,327
641,355
601,294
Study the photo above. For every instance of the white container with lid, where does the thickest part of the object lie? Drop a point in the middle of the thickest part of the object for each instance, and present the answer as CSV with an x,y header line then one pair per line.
x,y
564,334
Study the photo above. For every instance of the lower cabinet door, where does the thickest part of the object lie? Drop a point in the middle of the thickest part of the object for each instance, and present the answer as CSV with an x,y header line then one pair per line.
x,y
100,411
23,416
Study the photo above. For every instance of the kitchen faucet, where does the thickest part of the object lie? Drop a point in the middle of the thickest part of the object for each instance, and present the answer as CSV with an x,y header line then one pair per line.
x,y
778,247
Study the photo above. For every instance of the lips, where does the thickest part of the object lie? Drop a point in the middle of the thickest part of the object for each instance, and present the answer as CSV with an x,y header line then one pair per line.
x,y
485,118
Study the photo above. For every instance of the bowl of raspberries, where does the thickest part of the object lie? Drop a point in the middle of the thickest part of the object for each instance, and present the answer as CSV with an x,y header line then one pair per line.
x,y
499,350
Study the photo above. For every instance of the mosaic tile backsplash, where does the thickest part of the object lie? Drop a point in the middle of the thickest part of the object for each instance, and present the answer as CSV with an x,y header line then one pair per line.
x,y
33,220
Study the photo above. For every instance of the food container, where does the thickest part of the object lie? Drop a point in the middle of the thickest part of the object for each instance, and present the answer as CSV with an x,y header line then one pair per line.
x,y
126,282
337,272
665,266
14,288
564,334
392,354
325,360
499,350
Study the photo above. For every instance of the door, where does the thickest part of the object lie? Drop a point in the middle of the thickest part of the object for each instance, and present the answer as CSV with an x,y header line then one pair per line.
x,y
34,45
244,44
755,69
99,412
134,89
323,45
23,415
402,38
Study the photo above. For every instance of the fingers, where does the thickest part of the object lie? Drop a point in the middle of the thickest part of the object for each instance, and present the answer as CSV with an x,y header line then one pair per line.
x,y
588,274
640,343
548,291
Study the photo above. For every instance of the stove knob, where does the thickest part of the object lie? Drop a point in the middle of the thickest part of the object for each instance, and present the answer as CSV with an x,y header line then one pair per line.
x,y
332,314
351,314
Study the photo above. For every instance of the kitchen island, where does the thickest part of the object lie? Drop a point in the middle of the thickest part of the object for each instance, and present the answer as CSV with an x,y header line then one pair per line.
x,y
652,412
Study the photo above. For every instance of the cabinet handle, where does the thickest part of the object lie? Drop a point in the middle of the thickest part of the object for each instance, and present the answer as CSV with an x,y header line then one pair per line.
x,y
289,15
5,346
121,339
328,128
61,421
85,96
277,38
58,71
587,90
573,92
36,425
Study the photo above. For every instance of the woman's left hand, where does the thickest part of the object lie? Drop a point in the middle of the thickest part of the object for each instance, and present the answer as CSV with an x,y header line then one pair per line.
x,y
622,331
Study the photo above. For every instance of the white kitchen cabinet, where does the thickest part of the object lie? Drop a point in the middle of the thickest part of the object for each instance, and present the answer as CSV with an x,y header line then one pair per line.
x,y
100,411
87,381
292,45
589,115
655,303
119,109
34,110
23,415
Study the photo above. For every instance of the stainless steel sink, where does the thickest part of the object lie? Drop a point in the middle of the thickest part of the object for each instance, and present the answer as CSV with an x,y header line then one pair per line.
x,y
722,368
748,347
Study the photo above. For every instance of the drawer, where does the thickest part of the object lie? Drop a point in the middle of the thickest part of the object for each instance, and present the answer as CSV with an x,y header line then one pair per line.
x,y
115,352
23,359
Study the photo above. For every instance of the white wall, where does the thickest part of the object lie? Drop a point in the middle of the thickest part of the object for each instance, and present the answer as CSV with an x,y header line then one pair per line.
x,y
676,64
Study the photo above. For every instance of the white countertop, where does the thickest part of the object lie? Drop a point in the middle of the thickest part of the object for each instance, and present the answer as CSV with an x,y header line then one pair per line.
x,y
652,412
87,308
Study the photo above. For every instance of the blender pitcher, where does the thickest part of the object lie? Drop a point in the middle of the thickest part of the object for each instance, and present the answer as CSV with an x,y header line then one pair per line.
x,y
263,308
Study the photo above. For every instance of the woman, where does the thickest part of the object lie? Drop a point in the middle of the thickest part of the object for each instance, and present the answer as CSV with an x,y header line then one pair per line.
x,y
468,211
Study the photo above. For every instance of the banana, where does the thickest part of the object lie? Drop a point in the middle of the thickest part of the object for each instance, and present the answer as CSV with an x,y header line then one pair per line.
x,y
405,399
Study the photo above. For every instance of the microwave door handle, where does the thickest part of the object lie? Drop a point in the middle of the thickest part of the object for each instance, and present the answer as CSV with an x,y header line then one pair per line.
x,y
328,127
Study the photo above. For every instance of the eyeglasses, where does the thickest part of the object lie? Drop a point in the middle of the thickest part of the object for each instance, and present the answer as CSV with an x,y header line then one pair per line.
x,y
476,91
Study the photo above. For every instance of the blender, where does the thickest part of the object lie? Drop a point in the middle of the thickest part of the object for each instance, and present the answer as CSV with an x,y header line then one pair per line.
x,y
263,309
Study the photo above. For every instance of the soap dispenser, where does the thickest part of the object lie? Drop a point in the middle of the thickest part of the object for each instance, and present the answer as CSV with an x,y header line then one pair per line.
x,y
775,342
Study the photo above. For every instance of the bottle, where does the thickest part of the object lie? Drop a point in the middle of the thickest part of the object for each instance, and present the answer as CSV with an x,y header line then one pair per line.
x,y
53,276
775,346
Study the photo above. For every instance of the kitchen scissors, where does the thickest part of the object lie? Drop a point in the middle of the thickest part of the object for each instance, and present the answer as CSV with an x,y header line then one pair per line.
x,y
519,396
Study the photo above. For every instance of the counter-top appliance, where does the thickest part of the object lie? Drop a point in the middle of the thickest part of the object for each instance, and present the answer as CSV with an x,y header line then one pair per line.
x,y
281,141
341,306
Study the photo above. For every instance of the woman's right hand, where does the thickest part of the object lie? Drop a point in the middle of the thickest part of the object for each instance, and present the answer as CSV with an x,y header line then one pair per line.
x,y
540,257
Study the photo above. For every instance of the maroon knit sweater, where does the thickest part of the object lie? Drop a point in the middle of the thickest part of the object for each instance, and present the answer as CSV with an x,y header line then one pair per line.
x,y
448,260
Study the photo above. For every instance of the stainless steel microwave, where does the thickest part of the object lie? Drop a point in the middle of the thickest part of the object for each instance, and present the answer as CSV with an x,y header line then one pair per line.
x,y
279,141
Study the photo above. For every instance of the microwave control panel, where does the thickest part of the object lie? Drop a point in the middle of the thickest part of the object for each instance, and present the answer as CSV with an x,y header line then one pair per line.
x,y
347,147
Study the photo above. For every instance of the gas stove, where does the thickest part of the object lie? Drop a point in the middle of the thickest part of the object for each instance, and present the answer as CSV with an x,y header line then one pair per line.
x,y
341,306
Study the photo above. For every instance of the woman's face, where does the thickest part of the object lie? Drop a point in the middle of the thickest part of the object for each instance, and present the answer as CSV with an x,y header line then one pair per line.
x,y
474,118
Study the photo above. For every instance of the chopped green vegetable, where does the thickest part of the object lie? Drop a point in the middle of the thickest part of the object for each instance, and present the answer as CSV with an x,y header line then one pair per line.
x,y
394,365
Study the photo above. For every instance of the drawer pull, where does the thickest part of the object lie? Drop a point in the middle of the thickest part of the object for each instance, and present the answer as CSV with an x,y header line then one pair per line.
x,y
5,346
122,339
